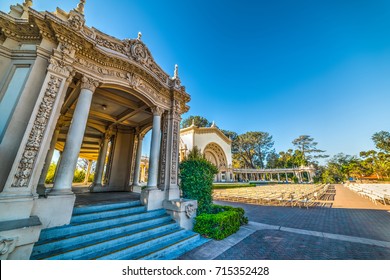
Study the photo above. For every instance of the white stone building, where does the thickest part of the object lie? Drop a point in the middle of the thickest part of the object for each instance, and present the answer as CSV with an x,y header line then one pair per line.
x,y
213,144
68,86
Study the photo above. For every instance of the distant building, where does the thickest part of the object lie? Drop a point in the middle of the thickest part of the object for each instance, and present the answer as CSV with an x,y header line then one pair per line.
x,y
214,144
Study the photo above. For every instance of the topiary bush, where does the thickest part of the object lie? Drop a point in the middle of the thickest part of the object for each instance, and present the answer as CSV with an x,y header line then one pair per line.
x,y
220,208
196,179
217,226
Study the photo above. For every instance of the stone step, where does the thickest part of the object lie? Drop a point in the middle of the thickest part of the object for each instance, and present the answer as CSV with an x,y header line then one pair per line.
x,y
116,231
173,251
152,243
80,240
104,207
86,217
72,229
107,246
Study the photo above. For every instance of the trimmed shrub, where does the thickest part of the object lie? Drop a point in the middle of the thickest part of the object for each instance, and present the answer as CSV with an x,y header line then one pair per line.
x,y
217,226
220,208
196,179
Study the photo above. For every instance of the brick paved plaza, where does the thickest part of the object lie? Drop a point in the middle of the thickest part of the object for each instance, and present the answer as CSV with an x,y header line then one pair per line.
x,y
346,226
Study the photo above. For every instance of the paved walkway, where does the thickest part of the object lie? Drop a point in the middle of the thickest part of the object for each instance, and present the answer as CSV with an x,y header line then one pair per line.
x,y
349,227
346,198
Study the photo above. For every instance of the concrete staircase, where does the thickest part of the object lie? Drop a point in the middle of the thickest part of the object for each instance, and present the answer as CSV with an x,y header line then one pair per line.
x,y
119,231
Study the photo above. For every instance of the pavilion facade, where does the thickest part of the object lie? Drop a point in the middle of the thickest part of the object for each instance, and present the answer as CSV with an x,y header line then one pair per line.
x,y
70,87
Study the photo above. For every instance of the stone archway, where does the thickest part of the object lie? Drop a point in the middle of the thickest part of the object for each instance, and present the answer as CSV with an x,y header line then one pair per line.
x,y
215,154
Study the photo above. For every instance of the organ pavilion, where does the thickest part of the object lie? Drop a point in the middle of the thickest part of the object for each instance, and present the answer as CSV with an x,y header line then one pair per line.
x,y
66,86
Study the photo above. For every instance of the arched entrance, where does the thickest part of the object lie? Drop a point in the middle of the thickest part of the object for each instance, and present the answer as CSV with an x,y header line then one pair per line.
x,y
215,154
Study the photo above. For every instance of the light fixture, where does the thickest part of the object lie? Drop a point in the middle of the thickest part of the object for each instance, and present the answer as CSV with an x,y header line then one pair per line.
x,y
104,107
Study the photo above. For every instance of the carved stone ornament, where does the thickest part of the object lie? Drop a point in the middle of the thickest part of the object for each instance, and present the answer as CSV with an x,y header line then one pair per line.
x,y
58,66
190,210
164,141
26,164
7,245
67,49
89,83
76,22
175,152
157,111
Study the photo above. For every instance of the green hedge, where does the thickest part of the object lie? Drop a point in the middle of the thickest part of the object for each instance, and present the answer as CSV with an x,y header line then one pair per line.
x,y
222,222
220,208
218,226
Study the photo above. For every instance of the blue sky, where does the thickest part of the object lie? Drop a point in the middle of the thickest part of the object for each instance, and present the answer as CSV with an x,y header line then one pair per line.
x,y
289,68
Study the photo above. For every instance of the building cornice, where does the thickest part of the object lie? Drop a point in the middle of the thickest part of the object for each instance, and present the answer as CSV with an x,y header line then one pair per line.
x,y
205,130
98,51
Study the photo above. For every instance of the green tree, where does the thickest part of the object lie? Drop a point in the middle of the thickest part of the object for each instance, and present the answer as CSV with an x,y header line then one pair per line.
x,y
382,140
306,145
196,179
230,134
251,148
273,160
196,120
377,162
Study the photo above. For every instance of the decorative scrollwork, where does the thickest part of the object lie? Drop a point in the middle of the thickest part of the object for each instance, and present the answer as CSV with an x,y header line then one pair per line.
x,y
175,152
76,22
89,83
26,164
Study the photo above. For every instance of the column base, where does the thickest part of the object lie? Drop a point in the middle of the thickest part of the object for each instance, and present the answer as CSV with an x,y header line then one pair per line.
x,y
152,198
55,192
137,188
183,211
96,188
55,210
173,193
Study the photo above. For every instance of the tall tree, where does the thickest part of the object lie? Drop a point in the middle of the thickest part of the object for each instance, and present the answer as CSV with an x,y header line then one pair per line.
x,y
251,148
378,163
230,134
382,140
196,120
308,147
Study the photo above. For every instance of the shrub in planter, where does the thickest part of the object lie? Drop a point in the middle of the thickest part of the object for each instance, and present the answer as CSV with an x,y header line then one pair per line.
x,y
217,226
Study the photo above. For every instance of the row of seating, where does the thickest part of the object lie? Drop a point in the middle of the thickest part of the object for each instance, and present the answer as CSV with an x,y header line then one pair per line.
x,y
375,192
277,195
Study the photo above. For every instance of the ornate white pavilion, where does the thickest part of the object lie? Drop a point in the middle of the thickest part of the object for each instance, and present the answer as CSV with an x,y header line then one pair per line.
x,y
66,86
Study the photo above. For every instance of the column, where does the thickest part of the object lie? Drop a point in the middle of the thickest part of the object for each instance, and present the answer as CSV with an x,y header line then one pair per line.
x,y
41,189
155,148
138,161
101,161
278,177
58,164
143,173
74,139
88,172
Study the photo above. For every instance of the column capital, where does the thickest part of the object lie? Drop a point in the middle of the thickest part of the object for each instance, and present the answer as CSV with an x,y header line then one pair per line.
x,y
157,111
89,83
139,134
109,132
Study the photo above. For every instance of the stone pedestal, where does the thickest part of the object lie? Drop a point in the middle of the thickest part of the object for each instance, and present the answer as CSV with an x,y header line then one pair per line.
x,y
15,207
183,211
55,210
152,198
17,238
137,189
